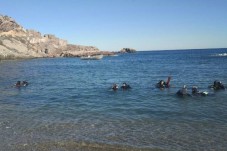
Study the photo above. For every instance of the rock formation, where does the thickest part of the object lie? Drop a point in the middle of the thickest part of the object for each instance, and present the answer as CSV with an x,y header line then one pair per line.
x,y
127,50
17,42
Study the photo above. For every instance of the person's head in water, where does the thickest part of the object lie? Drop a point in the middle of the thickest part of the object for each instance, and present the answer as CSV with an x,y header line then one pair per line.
x,y
194,90
218,85
115,86
125,86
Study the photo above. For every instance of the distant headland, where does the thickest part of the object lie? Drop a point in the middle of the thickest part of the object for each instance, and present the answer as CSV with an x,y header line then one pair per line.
x,y
18,42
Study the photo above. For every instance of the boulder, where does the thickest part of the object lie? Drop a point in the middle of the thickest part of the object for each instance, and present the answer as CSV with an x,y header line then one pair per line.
x,y
127,50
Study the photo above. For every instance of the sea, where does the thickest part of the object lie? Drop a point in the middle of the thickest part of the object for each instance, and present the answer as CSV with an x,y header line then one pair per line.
x,y
69,103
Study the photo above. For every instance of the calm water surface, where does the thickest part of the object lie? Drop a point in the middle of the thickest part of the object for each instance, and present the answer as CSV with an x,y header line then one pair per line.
x,y
69,105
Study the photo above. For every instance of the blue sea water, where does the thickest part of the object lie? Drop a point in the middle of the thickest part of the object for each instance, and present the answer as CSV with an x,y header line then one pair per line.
x,y
69,104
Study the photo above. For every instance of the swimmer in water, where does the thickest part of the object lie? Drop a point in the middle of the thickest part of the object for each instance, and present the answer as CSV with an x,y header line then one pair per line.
x,y
125,86
162,84
196,92
217,85
115,87
183,92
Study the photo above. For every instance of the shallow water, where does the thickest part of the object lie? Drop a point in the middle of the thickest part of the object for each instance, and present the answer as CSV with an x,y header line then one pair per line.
x,y
69,104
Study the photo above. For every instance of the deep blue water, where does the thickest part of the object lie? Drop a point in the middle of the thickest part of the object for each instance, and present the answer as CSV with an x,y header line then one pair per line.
x,y
69,104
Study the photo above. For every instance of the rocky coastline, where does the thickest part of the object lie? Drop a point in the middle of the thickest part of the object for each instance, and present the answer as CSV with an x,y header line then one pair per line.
x,y
17,42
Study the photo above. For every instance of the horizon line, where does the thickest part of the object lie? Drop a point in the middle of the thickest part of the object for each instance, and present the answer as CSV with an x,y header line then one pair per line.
x,y
181,49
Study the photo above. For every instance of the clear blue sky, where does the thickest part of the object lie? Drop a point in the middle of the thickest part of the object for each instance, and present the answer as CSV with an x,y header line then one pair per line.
x,y
114,24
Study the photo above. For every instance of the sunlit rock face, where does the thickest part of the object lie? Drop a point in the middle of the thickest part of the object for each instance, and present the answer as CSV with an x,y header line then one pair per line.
x,y
17,42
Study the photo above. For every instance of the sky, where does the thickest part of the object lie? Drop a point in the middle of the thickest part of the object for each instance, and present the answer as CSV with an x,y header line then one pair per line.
x,y
115,24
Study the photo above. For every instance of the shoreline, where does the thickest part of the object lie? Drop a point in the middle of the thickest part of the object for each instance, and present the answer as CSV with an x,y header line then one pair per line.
x,y
63,55
81,145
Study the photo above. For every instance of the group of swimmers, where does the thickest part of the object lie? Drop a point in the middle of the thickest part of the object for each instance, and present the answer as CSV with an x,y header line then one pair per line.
x,y
217,85
21,84
124,86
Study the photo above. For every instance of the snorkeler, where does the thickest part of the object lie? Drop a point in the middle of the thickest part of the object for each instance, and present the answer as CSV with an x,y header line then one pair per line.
x,y
217,85
115,87
125,86
196,92
162,84
183,92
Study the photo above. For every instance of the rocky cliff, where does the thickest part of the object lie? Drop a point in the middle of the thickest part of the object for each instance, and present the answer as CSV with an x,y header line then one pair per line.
x,y
17,42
